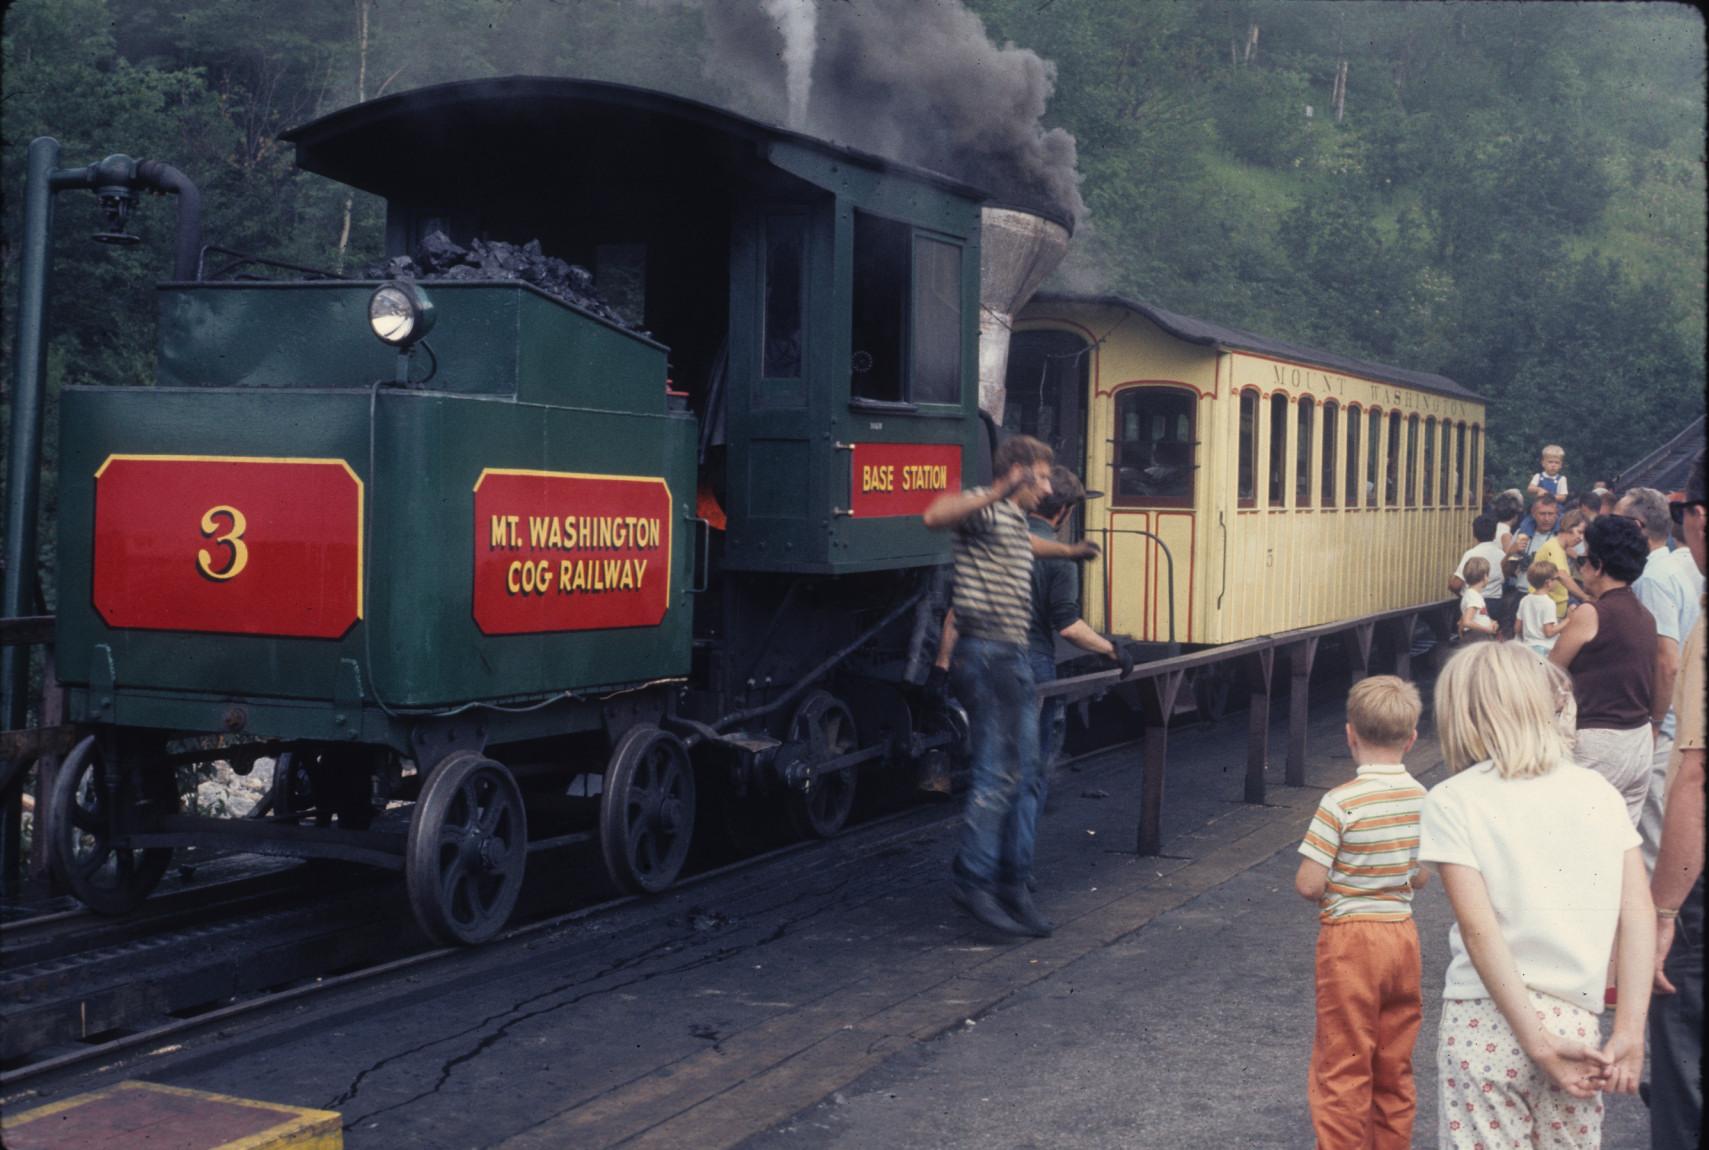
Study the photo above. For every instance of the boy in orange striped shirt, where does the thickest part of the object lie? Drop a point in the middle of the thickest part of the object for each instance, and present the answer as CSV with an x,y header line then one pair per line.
x,y
1360,868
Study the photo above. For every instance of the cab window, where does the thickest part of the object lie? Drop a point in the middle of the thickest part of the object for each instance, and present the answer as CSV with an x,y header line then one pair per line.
x,y
906,324
1154,446
880,289
936,376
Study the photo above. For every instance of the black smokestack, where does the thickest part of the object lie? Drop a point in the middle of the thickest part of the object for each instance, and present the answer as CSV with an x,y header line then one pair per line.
x,y
916,80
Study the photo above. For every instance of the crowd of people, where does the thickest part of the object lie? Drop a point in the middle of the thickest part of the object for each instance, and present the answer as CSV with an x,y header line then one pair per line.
x,y
1568,837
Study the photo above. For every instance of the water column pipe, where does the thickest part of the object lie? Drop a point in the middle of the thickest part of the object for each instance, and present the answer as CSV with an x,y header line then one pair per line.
x,y
115,180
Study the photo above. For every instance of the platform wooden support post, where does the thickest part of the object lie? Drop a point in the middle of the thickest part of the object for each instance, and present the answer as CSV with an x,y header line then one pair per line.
x,y
1159,698
1359,650
1403,645
1259,674
1300,658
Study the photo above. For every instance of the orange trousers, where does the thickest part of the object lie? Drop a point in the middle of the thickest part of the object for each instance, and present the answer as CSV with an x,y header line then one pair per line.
x,y
1369,1008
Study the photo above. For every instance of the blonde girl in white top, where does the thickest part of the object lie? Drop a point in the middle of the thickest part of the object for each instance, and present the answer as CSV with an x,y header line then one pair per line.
x,y
1539,863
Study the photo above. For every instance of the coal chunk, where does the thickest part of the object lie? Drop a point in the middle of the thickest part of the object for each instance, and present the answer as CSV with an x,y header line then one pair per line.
x,y
438,257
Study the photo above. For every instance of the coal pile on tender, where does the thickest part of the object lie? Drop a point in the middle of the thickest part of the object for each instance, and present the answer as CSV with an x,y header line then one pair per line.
x,y
438,257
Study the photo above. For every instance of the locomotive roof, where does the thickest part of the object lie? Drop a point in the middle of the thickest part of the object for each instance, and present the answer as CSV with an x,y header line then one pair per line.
x,y
389,145
1215,335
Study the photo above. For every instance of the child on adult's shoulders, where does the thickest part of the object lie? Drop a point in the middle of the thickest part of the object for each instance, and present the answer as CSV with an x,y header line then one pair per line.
x,y
1550,478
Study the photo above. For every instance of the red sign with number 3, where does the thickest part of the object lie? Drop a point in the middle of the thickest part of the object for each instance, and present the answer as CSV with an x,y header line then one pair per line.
x,y
236,546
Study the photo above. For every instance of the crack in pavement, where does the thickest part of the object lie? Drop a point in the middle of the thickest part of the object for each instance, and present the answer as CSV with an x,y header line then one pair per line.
x,y
515,1014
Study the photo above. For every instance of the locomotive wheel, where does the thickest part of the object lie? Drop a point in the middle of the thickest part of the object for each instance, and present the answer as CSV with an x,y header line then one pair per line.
x,y
467,848
646,815
824,724
81,822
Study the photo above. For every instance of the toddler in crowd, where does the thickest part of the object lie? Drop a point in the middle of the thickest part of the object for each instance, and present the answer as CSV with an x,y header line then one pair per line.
x,y
1360,868
1475,622
1550,479
1538,622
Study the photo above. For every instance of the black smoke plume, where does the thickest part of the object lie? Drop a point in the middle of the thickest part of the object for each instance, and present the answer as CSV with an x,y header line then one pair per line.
x,y
915,80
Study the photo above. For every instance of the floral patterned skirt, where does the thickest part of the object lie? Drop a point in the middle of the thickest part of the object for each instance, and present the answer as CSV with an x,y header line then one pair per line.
x,y
1495,1098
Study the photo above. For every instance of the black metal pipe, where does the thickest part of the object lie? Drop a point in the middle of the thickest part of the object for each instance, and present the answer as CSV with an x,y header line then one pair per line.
x,y
187,247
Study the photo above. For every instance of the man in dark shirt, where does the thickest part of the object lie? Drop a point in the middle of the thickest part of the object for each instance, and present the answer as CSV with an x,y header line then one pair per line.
x,y
1056,611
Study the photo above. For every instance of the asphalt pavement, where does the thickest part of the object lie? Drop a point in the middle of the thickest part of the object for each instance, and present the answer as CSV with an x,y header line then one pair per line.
x,y
1192,1030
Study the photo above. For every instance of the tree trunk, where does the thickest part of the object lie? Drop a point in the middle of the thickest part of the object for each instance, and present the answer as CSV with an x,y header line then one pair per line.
x,y
362,9
1251,43
1339,99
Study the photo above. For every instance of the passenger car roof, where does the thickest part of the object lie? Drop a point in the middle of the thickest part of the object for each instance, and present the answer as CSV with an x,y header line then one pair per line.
x,y
1216,335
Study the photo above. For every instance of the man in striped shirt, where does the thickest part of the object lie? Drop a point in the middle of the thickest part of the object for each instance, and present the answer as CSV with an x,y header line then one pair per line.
x,y
1360,868
993,679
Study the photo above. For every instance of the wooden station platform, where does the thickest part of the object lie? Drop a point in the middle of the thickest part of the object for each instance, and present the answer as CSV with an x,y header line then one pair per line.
x,y
149,1116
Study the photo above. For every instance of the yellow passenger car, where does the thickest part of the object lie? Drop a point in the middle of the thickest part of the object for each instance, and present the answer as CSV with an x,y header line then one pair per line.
x,y
1290,486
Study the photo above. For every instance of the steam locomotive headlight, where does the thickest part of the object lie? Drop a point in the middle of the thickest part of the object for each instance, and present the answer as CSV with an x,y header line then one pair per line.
x,y
400,313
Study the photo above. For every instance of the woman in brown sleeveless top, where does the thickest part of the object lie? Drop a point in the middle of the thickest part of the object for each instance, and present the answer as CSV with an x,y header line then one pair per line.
x,y
1609,646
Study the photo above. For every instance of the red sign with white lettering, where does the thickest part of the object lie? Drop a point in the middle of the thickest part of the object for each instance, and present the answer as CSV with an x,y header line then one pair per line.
x,y
888,479
557,551
234,546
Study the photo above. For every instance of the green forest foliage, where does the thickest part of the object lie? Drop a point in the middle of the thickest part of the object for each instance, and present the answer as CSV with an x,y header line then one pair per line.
x,y
1513,196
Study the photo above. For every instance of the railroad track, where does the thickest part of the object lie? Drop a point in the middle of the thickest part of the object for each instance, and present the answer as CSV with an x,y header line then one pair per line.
x,y
77,988
74,1009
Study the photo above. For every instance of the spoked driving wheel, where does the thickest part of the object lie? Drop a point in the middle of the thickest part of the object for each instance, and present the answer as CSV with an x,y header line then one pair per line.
x,y
646,814
85,826
468,846
824,725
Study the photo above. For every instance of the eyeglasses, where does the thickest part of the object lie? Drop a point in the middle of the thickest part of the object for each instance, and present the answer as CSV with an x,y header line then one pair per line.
x,y
1677,510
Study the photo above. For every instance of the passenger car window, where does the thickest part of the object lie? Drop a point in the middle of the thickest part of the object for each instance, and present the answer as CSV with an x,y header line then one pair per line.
x,y
1460,468
1373,448
1391,478
1247,491
1331,421
1429,461
1278,449
1154,446
1353,428
1302,454
1412,460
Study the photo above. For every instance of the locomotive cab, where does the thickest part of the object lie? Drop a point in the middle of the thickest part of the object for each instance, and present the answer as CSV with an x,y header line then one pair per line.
x,y
614,539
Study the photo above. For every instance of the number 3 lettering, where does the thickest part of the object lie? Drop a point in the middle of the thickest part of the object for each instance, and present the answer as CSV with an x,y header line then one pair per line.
x,y
232,539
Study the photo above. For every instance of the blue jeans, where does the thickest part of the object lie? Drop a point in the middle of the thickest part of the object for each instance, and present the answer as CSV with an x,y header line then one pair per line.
x,y
1676,1034
994,681
1035,790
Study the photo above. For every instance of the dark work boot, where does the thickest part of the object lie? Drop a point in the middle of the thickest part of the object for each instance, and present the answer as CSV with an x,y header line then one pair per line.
x,y
983,905
1018,902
